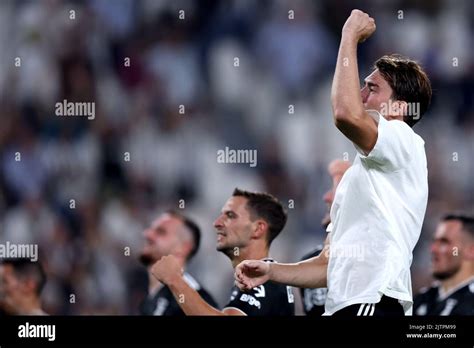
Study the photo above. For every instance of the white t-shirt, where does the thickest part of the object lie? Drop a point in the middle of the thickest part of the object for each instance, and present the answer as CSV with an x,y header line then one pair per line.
x,y
376,216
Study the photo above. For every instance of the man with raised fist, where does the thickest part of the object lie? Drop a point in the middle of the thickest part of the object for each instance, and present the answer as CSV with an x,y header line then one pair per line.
x,y
380,203
247,225
170,233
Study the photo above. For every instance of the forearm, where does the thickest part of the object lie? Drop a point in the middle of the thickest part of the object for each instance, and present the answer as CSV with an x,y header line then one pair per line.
x,y
310,273
345,92
189,299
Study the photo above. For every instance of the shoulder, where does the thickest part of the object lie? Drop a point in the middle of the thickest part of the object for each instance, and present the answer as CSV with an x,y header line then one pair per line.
x,y
467,290
428,290
394,148
193,283
427,293
462,300
425,302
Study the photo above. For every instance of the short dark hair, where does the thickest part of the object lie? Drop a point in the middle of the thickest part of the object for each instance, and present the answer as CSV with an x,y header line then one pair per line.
x,y
25,268
192,227
467,221
265,206
408,80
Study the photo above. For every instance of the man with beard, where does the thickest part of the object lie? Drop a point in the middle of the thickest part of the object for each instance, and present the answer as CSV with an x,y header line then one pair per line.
x,y
452,263
170,234
247,225
314,299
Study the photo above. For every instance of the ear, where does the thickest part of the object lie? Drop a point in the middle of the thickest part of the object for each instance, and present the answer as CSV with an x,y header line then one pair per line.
x,y
184,249
469,252
260,228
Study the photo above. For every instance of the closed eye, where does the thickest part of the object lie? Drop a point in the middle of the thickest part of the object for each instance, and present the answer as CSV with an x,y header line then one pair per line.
x,y
372,86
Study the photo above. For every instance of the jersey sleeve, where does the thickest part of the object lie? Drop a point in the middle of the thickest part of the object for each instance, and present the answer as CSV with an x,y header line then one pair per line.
x,y
255,302
394,147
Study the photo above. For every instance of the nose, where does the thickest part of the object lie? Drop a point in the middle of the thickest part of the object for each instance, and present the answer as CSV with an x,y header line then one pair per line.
x,y
364,94
218,223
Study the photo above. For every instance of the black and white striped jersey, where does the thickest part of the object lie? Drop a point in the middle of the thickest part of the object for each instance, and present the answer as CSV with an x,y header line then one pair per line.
x,y
458,301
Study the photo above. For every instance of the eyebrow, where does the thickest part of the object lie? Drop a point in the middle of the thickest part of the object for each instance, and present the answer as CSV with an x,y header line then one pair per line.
x,y
371,84
440,239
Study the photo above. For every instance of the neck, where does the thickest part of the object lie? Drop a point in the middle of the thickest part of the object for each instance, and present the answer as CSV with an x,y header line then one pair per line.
x,y
464,274
390,117
250,252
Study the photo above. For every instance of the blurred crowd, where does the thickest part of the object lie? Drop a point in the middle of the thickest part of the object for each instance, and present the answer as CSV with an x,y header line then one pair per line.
x,y
173,82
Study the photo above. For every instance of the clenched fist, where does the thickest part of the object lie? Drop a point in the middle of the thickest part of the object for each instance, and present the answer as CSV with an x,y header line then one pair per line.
x,y
167,269
359,26
251,273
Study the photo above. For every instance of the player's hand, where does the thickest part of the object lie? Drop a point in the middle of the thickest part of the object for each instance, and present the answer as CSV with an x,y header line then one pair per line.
x,y
167,269
359,26
251,273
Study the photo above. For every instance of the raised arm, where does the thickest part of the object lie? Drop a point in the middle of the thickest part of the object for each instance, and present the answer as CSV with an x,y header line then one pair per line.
x,y
349,113
168,271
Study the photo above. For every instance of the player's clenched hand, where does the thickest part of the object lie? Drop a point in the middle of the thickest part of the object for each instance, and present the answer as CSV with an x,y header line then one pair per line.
x,y
251,273
359,26
167,269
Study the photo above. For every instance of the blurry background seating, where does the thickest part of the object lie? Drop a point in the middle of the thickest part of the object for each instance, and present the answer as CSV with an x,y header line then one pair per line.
x,y
282,62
